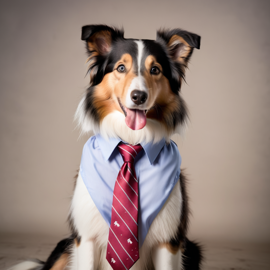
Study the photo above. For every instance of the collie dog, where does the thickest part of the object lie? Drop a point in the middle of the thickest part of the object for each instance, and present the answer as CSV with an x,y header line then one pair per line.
x,y
134,96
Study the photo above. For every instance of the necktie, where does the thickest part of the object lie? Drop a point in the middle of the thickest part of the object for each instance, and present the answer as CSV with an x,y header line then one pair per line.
x,y
123,243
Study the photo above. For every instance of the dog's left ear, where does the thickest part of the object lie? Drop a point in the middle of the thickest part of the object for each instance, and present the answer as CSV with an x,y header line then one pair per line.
x,y
180,44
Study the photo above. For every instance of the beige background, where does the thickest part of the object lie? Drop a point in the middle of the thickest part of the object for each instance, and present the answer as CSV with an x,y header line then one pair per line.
x,y
225,151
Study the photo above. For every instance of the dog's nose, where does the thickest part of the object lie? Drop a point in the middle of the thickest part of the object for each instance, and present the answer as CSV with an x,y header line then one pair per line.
x,y
138,97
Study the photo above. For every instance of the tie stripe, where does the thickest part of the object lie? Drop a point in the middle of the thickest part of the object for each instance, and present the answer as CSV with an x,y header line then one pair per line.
x,y
123,245
132,149
126,151
126,195
112,260
126,210
128,183
128,227
132,174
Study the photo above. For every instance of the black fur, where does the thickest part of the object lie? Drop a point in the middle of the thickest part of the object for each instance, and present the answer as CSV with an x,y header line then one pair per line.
x,y
90,30
119,48
156,49
100,61
89,108
178,116
192,39
192,257
164,36
184,215
62,247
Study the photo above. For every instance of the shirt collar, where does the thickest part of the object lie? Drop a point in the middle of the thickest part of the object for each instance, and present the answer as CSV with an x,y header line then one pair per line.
x,y
107,147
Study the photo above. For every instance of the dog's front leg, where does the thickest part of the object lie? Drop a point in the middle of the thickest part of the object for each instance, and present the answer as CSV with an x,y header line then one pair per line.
x,y
84,255
166,257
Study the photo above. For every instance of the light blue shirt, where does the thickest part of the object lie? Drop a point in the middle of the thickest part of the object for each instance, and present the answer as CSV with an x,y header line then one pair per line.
x,y
157,168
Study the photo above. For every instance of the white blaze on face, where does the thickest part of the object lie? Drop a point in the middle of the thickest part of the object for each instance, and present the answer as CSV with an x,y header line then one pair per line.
x,y
135,114
138,83
140,53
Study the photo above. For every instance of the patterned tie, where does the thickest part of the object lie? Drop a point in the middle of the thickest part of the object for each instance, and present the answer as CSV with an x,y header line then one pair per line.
x,y
123,244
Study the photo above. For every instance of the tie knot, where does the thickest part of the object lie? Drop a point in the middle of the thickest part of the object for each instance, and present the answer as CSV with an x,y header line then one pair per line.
x,y
129,152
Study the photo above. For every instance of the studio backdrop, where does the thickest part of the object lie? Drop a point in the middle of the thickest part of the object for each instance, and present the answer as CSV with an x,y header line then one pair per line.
x,y
225,149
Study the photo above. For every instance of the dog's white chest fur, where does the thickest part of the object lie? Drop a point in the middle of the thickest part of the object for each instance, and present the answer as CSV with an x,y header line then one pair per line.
x,y
93,229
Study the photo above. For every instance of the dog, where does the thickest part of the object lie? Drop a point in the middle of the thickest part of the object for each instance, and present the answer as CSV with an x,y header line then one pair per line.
x,y
134,97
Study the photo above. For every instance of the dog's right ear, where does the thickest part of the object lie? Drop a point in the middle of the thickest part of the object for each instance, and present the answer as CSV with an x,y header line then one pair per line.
x,y
99,38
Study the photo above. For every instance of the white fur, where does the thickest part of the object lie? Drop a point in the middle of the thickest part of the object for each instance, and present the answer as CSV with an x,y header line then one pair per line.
x,y
25,265
140,54
164,259
138,83
85,123
83,255
113,125
94,233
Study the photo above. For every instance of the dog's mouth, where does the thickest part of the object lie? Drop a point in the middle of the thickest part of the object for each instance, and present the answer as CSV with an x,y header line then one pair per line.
x,y
135,118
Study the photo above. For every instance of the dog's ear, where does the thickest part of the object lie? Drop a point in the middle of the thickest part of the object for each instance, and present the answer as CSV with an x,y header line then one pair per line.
x,y
99,38
180,44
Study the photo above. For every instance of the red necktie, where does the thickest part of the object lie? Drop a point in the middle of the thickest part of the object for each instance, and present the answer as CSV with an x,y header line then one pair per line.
x,y
123,243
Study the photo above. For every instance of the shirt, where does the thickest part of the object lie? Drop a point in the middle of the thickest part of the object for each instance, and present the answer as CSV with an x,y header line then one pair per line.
x,y
157,169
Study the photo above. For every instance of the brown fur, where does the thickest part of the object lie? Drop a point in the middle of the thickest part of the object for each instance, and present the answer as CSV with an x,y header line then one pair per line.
x,y
165,105
172,249
114,85
185,50
77,241
124,79
103,98
61,263
153,82
100,42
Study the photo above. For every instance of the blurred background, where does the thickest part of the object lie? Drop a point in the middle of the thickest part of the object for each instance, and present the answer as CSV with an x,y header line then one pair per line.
x,y
225,150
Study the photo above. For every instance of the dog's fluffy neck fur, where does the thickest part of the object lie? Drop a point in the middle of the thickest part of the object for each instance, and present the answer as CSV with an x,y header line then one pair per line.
x,y
114,126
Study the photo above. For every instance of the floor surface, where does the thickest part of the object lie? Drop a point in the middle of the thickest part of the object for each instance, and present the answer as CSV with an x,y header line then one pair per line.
x,y
218,256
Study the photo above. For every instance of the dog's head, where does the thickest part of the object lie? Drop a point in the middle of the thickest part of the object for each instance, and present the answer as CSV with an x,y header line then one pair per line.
x,y
135,85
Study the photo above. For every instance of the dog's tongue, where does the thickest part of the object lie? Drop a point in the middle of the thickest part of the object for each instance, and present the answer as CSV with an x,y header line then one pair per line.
x,y
135,119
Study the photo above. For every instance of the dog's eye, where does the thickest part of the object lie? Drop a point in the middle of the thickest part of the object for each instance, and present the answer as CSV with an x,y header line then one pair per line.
x,y
121,68
155,70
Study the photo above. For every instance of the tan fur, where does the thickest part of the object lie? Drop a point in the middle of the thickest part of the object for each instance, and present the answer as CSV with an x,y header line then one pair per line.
x,y
170,248
114,85
61,263
153,82
165,100
103,100
184,52
123,79
98,49
77,241
92,42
